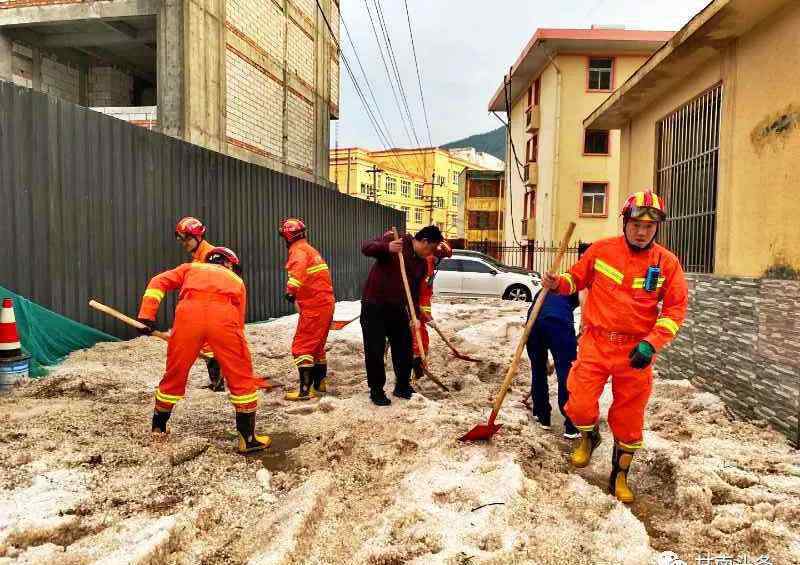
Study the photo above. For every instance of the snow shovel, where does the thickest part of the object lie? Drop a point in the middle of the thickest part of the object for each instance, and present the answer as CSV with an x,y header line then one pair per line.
x,y
486,431
412,312
337,325
452,347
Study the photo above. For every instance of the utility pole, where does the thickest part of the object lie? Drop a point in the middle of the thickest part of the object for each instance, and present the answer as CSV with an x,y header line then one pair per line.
x,y
432,197
375,170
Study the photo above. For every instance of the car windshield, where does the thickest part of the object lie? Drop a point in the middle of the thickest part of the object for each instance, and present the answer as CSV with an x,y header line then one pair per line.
x,y
491,260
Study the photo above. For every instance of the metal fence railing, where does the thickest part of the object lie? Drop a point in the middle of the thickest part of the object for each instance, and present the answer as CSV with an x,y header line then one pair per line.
x,y
534,256
88,204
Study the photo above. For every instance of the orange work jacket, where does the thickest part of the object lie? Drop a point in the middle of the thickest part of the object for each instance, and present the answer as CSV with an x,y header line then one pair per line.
x,y
617,301
196,281
309,277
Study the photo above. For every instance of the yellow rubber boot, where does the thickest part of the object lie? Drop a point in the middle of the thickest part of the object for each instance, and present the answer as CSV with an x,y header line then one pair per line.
x,y
306,390
618,481
249,442
582,453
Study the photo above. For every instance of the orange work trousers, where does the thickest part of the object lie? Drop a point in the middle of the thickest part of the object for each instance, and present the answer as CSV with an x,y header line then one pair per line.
x,y
599,358
213,320
426,339
308,347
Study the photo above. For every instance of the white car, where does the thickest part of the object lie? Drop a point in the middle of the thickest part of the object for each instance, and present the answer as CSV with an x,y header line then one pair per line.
x,y
473,276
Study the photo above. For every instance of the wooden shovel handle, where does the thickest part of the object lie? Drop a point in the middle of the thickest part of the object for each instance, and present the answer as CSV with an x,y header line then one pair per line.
x,y
445,339
512,370
409,300
125,319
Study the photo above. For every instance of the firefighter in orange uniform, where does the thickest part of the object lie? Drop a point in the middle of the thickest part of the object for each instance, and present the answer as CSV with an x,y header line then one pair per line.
x,y
310,288
443,251
211,310
627,277
190,233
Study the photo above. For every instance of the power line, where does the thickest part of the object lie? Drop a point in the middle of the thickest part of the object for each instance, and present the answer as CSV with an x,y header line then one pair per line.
x,y
396,68
388,73
419,75
382,137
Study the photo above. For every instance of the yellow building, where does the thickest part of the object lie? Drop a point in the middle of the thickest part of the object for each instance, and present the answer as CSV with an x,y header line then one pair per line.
x,y
712,122
566,172
484,203
426,183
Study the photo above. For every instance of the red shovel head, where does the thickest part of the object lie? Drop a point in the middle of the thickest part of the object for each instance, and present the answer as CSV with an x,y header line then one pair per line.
x,y
482,432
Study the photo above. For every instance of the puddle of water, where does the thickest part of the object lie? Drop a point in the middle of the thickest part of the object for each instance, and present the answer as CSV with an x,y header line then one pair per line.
x,y
278,456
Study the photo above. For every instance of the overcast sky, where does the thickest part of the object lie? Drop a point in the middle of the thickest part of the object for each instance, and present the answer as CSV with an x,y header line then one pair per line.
x,y
464,47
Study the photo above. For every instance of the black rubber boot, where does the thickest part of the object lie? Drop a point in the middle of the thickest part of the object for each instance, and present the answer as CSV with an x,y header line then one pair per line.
x,y
160,421
621,459
379,398
320,376
248,440
216,382
306,390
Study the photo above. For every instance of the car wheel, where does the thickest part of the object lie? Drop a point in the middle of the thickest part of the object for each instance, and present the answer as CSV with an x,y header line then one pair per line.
x,y
517,292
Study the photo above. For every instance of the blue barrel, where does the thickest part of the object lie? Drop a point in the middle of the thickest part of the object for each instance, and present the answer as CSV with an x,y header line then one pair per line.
x,y
12,370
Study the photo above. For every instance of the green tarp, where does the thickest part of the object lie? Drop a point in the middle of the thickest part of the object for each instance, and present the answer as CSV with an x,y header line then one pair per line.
x,y
49,337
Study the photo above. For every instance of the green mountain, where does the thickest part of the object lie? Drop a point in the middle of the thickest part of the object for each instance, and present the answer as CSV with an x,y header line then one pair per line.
x,y
492,142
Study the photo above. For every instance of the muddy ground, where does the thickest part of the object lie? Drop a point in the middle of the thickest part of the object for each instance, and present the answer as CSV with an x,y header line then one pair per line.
x,y
347,482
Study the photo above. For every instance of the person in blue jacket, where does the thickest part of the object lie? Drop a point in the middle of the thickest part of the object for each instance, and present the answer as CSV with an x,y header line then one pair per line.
x,y
554,331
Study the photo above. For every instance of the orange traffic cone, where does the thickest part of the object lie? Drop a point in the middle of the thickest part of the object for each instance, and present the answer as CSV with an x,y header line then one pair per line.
x,y
9,338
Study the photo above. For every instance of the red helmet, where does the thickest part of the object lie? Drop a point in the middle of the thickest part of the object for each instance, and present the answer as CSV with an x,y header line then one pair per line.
x,y
644,205
292,229
190,226
219,254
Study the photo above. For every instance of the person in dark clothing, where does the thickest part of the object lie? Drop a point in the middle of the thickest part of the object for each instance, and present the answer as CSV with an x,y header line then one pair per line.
x,y
384,313
554,331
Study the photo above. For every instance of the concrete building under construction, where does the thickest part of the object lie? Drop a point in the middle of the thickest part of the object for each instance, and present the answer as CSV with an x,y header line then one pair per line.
x,y
257,80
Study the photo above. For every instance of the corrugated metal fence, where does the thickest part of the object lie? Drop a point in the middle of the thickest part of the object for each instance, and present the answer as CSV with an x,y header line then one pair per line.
x,y
88,204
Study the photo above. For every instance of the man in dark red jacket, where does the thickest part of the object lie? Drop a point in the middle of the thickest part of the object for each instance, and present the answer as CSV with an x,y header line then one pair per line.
x,y
383,307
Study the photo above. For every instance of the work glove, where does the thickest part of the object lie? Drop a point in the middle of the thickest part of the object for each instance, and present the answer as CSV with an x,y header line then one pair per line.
x,y
149,326
289,298
641,355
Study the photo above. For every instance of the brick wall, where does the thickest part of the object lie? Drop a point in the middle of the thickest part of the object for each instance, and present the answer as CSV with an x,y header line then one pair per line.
x,y
61,80
307,7
109,87
142,116
261,21
300,53
255,106
301,132
741,341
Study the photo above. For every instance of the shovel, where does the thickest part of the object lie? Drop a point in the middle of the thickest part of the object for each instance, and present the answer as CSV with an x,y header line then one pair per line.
x,y
486,431
452,347
413,313
337,325
261,382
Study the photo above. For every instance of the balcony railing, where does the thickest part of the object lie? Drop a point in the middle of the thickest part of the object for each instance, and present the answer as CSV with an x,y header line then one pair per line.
x,y
533,118
531,175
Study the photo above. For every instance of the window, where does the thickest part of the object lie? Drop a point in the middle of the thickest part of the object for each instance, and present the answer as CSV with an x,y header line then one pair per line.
x,y
418,215
529,210
687,174
484,189
533,93
455,200
593,198
391,185
601,72
475,267
533,148
420,192
406,210
366,188
405,187
595,142
450,265
440,180
455,177
439,202
482,221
